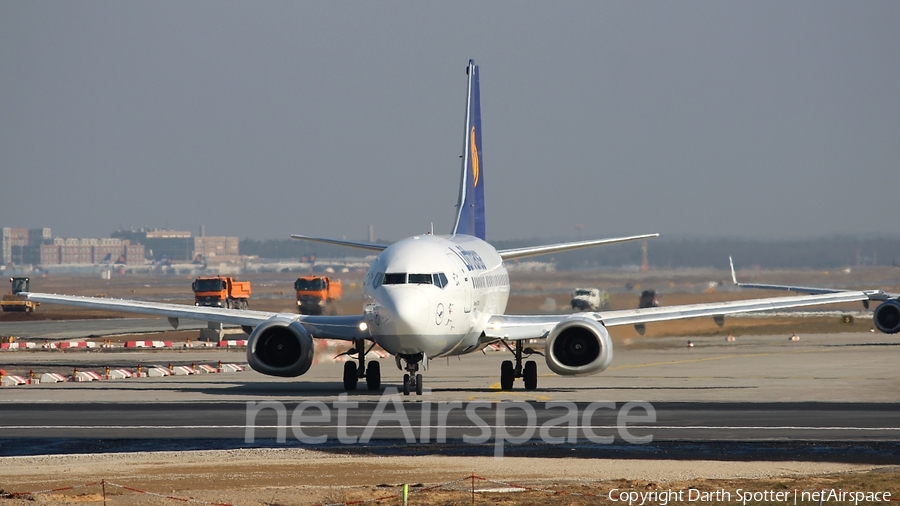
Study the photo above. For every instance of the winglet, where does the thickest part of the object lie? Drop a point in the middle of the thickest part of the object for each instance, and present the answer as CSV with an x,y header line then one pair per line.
x,y
470,212
733,276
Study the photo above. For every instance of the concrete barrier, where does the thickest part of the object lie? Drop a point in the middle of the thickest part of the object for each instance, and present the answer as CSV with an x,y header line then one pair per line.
x,y
203,368
119,374
158,372
52,377
17,346
86,376
183,370
76,344
232,342
231,368
148,344
13,381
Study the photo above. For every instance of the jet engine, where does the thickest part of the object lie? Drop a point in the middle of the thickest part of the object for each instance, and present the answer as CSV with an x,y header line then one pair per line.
x,y
578,346
280,347
887,317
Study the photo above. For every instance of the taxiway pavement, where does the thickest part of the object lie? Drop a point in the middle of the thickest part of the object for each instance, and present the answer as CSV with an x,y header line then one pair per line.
x,y
830,388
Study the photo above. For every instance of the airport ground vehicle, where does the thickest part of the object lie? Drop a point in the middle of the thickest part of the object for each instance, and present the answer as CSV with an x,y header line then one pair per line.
x,y
649,298
317,294
221,291
18,303
589,299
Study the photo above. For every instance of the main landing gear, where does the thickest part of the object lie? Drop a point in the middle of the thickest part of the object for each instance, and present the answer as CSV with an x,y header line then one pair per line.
x,y
412,380
509,372
353,372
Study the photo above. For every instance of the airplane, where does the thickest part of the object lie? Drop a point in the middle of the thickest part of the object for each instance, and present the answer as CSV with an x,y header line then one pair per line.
x,y
432,296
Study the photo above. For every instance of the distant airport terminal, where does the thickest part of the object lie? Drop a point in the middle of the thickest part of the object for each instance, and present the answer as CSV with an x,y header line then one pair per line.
x,y
37,247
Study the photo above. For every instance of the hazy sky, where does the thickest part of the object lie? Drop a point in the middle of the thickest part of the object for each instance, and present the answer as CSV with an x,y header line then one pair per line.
x,y
262,119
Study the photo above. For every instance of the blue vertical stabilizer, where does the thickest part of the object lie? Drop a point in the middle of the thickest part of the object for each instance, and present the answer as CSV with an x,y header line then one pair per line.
x,y
470,214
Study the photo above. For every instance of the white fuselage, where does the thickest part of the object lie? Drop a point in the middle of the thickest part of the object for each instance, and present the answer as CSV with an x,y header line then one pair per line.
x,y
434,294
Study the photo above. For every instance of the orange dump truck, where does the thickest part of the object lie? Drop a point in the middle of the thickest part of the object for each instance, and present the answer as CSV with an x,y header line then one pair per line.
x,y
317,294
221,291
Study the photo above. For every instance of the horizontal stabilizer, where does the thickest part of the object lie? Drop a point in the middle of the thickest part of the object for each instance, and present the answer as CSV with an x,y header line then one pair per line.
x,y
509,254
338,242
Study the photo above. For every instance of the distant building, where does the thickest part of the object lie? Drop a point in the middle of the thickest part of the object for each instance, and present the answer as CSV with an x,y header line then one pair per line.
x,y
37,246
217,248
172,245
22,245
181,245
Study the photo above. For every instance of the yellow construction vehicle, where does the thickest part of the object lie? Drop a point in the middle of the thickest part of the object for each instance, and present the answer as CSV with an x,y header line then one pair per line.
x,y
16,302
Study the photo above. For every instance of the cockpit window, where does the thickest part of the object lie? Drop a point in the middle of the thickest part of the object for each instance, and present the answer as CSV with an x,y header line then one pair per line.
x,y
376,281
439,279
395,278
420,279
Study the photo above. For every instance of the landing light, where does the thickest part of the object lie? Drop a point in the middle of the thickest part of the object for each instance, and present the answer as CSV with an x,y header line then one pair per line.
x,y
363,326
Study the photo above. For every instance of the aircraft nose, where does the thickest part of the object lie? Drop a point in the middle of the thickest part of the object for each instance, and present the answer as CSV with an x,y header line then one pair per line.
x,y
403,311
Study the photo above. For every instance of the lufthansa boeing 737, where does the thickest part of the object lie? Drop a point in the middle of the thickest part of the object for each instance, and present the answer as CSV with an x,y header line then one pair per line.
x,y
430,296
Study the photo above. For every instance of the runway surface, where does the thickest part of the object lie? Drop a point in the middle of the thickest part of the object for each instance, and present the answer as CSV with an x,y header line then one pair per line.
x,y
834,396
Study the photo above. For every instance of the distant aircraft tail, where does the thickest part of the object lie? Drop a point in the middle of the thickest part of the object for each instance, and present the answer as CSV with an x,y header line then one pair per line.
x,y
470,207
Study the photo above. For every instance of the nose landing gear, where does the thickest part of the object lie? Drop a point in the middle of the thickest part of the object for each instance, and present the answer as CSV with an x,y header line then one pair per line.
x,y
353,372
412,381
509,372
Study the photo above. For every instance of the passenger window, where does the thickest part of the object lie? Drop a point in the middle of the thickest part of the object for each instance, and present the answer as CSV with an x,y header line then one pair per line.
x,y
420,279
395,278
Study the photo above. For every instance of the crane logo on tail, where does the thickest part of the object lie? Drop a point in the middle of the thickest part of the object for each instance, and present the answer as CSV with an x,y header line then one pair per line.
x,y
474,158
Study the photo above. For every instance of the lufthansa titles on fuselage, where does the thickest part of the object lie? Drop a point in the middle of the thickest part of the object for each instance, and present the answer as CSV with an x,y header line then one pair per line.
x,y
470,259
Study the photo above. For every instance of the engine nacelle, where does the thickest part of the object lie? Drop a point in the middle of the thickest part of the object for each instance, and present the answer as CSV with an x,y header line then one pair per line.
x,y
280,347
887,317
578,346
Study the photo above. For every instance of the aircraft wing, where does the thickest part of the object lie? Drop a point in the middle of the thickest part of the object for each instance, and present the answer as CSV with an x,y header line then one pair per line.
x,y
325,327
516,327
871,294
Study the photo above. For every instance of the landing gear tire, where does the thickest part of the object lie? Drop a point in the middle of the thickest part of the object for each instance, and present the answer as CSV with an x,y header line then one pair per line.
x,y
406,384
507,375
530,375
418,384
373,376
350,376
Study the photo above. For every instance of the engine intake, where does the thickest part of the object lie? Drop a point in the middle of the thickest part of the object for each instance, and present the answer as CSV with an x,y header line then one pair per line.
x,y
280,347
887,317
578,346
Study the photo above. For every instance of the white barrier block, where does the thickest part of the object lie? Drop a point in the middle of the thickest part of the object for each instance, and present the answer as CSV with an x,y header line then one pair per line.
x,y
120,374
233,342
158,372
87,376
13,381
183,370
52,377
231,368
17,346
77,344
